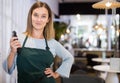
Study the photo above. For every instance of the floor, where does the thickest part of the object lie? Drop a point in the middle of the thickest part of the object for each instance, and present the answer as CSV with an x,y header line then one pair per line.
x,y
58,80
90,72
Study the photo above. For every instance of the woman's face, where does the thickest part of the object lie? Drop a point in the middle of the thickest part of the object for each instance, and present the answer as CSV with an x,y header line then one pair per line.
x,y
39,18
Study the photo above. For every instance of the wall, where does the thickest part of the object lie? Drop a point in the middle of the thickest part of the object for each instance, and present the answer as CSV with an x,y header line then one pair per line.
x,y
53,5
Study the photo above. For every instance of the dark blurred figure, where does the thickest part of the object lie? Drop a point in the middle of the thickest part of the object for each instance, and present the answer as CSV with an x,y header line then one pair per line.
x,y
81,45
98,42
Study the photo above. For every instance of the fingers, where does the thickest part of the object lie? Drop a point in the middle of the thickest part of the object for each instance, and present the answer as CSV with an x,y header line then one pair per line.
x,y
50,73
13,39
14,44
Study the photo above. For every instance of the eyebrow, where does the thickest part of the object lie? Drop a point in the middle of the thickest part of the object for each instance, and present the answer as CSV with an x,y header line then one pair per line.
x,y
37,13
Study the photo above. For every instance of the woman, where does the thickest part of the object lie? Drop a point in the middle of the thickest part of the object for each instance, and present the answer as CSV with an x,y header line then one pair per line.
x,y
33,52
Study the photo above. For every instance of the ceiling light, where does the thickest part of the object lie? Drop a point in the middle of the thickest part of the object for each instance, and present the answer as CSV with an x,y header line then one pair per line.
x,y
106,4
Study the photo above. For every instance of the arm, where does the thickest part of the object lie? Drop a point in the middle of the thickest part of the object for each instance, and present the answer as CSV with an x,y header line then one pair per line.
x,y
5,66
14,44
9,64
10,59
67,60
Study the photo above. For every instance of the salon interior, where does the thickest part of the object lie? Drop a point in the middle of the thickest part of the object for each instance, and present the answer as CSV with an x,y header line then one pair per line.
x,y
88,29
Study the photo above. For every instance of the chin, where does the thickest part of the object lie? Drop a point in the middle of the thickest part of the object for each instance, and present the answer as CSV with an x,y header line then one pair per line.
x,y
38,28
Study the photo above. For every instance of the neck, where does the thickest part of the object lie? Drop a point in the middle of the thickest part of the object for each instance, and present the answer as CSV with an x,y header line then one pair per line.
x,y
37,34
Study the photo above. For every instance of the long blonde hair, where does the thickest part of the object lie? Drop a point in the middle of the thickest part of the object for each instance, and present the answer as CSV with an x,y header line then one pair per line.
x,y
49,29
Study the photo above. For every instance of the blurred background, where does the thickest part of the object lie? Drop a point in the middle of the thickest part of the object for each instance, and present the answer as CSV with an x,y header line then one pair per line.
x,y
80,28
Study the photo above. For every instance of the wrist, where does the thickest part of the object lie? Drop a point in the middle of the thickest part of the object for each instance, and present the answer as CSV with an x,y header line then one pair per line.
x,y
12,53
56,75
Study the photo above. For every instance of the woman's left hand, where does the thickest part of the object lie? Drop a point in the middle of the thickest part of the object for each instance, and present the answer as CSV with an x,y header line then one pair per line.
x,y
50,73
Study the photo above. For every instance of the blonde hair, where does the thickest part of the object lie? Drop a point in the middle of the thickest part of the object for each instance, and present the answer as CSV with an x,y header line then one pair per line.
x,y
49,29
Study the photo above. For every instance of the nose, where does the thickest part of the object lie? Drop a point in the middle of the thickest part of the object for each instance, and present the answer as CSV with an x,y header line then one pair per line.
x,y
39,19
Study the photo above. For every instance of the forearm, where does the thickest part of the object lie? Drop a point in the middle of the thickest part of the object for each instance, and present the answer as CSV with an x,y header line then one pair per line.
x,y
10,59
65,68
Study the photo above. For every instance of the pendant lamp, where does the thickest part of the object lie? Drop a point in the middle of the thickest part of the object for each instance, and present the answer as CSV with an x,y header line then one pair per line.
x,y
106,4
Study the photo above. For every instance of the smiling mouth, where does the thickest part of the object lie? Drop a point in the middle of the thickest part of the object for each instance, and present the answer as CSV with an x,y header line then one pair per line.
x,y
37,23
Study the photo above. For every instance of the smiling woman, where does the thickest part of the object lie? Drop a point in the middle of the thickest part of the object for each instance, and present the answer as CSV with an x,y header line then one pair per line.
x,y
39,20
34,51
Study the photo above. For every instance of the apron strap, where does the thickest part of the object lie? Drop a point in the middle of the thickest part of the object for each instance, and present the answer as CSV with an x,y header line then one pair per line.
x,y
25,41
19,51
45,35
47,47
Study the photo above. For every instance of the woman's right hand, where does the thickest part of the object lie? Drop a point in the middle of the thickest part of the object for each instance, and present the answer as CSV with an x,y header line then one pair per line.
x,y
14,44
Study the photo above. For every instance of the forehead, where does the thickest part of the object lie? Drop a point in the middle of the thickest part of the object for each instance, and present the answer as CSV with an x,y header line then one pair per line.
x,y
40,10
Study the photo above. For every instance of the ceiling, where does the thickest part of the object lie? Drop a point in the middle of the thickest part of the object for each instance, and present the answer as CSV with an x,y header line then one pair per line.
x,y
70,1
71,7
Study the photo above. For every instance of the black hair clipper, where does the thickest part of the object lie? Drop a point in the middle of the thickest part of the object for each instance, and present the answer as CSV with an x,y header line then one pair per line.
x,y
14,34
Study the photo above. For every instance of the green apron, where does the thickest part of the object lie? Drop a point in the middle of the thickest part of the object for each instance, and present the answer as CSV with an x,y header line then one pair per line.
x,y
31,64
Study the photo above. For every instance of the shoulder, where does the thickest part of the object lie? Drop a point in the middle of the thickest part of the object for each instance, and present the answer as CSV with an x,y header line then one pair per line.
x,y
56,44
21,37
53,41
